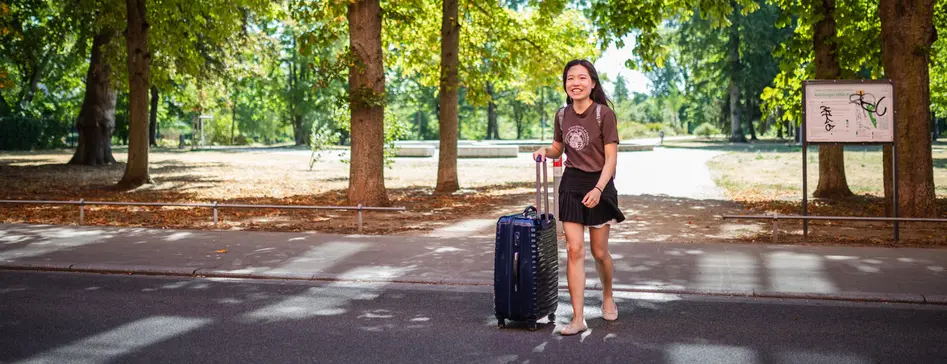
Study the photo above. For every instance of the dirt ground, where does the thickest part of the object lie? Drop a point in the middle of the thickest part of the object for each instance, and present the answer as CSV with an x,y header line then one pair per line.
x,y
492,188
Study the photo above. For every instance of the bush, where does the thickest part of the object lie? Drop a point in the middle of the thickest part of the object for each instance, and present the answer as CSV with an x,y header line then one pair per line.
x,y
25,133
321,137
706,130
632,130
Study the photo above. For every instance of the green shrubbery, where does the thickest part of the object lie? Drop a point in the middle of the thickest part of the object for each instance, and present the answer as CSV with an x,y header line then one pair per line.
x,y
25,133
706,130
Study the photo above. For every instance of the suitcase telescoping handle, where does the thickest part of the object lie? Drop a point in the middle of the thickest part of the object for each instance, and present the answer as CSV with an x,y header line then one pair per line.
x,y
541,164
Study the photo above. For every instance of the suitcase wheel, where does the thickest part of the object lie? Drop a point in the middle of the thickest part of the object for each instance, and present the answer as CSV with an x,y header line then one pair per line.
x,y
501,323
532,325
552,317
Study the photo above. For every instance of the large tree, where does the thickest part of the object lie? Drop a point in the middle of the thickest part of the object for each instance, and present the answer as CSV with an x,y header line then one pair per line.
x,y
96,120
366,102
136,41
449,86
907,34
734,75
832,181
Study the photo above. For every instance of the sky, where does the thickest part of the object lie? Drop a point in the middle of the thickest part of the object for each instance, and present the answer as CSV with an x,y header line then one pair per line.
x,y
612,63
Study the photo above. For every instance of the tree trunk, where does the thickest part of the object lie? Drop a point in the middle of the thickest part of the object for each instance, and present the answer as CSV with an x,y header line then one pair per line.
x,y
779,128
832,180
907,33
297,119
153,118
518,116
493,131
367,83
447,108
136,42
96,120
4,106
780,124
542,114
298,128
420,129
749,122
27,96
736,128
233,113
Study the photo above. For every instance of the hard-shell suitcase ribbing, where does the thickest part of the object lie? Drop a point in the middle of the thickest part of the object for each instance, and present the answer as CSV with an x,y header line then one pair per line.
x,y
526,266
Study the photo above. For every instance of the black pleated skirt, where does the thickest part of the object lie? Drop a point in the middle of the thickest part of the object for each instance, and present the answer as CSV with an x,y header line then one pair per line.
x,y
575,184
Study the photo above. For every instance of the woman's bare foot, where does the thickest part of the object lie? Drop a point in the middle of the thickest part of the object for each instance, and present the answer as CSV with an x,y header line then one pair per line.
x,y
609,310
574,328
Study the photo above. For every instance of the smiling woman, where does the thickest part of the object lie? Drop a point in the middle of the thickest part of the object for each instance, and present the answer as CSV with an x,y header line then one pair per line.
x,y
586,130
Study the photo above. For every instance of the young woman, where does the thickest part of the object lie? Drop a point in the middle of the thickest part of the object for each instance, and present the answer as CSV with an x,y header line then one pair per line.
x,y
587,132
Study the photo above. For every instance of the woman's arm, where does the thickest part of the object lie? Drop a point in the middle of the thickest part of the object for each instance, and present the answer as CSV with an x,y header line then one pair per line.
x,y
611,162
554,150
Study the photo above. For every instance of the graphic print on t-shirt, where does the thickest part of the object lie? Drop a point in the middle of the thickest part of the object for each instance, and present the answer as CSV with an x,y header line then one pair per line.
x,y
577,137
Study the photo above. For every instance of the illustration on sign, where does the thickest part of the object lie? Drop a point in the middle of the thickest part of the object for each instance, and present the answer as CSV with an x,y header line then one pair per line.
x,y
849,112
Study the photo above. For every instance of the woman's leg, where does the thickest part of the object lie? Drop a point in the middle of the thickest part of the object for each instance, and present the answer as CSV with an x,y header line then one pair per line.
x,y
603,265
575,272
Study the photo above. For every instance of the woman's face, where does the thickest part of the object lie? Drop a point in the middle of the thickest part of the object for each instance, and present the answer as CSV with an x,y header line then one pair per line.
x,y
578,83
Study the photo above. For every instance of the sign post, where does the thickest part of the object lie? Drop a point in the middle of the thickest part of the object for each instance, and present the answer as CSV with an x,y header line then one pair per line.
x,y
848,112
556,178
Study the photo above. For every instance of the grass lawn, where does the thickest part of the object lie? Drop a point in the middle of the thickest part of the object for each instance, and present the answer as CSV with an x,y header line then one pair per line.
x,y
772,169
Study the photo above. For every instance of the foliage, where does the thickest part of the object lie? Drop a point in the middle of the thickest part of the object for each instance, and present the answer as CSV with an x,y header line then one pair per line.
x,y
707,130
19,133
621,89
859,51
321,137
615,19
938,67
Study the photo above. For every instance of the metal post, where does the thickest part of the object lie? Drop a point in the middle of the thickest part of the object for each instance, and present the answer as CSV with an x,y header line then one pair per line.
x,y
359,218
215,214
775,228
894,173
894,157
805,185
805,169
556,179
81,211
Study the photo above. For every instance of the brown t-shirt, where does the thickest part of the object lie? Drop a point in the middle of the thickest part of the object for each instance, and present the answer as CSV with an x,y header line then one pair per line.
x,y
584,139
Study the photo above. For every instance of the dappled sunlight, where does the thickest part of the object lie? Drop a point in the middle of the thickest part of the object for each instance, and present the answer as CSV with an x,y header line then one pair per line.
x,y
123,340
46,240
809,357
749,270
379,272
796,272
178,236
727,271
704,353
315,259
312,303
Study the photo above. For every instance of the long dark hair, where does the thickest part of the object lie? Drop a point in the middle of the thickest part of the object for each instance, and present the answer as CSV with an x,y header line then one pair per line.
x,y
597,94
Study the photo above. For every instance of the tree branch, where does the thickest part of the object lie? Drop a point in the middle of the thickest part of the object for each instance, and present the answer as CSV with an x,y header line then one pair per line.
x,y
539,49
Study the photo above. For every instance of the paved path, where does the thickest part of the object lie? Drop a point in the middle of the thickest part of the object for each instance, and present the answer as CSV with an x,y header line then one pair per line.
x,y
846,273
671,172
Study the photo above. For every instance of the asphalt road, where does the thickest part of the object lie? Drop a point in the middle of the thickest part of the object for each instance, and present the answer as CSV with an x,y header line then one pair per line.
x,y
85,318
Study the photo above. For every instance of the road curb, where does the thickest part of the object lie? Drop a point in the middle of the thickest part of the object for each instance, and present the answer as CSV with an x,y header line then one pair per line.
x,y
287,275
935,299
132,269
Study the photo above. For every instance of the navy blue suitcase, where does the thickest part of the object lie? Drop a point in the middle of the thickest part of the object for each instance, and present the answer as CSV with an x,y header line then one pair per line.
x,y
526,266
